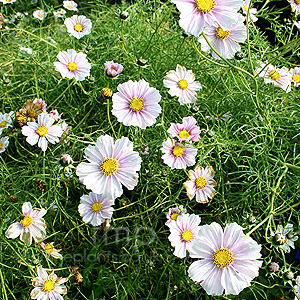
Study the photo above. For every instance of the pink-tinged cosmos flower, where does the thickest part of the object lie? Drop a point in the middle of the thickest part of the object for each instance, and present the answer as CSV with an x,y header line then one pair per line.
x,y
54,115
66,159
228,260
278,77
181,83
5,121
297,24
188,131
42,132
95,209
295,74
41,102
78,26
51,251
4,142
32,226
225,42
252,11
201,184
39,14
173,213
178,156
295,5
113,69
136,104
183,232
70,5
196,14
72,65
48,287
111,165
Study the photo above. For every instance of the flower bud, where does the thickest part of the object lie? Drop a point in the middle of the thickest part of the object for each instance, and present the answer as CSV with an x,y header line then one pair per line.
x,y
6,81
66,159
289,275
124,15
273,267
141,62
251,220
239,55
106,93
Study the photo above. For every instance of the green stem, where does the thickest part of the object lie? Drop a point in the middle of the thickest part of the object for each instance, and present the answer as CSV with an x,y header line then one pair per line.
x,y
109,121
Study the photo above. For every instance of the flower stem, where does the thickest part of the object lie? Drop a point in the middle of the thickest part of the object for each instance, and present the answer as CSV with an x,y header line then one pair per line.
x,y
109,121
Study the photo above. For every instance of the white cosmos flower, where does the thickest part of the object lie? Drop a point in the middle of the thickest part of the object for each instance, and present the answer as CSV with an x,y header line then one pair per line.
x,y
78,26
4,142
70,5
252,11
39,14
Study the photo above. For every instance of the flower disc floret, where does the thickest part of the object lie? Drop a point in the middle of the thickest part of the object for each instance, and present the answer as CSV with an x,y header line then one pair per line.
x,y
187,235
109,166
27,221
205,5
48,285
136,104
96,207
221,34
223,258
182,83
200,183
49,248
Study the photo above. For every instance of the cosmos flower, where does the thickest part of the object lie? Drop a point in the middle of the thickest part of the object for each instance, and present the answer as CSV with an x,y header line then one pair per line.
x,y
4,142
72,65
295,5
182,232
42,132
196,14
66,159
51,251
8,1
59,13
111,165
136,104
173,213
48,287
297,288
32,226
54,114
277,76
39,14
5,121
187,131
224,42
181,83
228,259
113,69
285,237
252,11
178,156
78,26
201,184
40,102
70,5
297,24
295,74
95,209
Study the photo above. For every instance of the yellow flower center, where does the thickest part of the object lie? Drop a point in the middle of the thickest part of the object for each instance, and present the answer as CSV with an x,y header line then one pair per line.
x,y
78,27
187,235
274,74
27,221
296,77
72,66
42,130
22,118
109,166
297,2
1,145
70,6
136,104
183,84
48,285
96,207
174,216
3,124
205,5
177,151
200,183
49,248
31,113
221,34
223,258
245,8
40,15
106,92
183,134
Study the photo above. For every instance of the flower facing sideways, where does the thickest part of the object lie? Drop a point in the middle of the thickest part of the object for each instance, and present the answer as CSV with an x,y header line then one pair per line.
x,y
228,260
4,142
51,251
32,226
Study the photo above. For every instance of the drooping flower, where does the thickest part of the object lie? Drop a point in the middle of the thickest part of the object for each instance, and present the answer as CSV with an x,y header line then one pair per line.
x,y
188,131
70,5
295,5
201,184
59,13
66,159
173,213
48,287
182,232
5,121
196,14
181,83
95,209
113,69
40,102
42,132
285,237
228,260
136,104
111,165
32,226
51,251
39,14
178,156
252,11
4,142
8,1
276,76
225,42
295,74
78,26
72,65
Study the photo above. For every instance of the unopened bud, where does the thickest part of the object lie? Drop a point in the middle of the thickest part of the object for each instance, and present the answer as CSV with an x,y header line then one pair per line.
x,y
124,15
141,62
66,159
106,93
273,267
289,275
251,219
